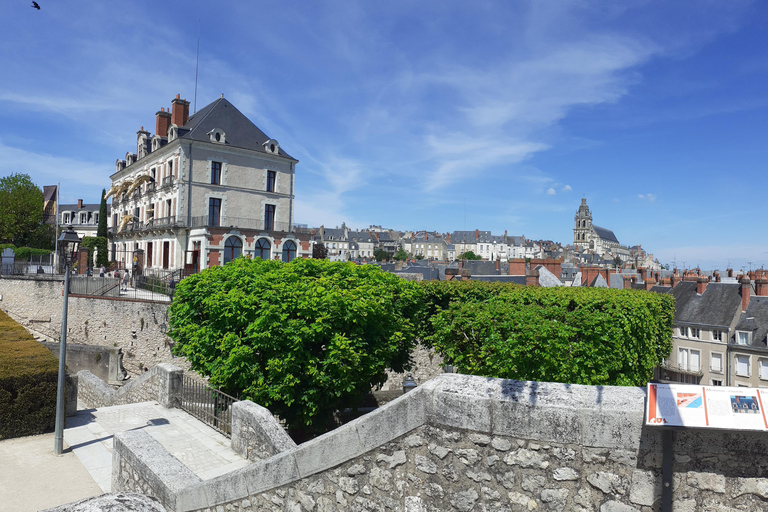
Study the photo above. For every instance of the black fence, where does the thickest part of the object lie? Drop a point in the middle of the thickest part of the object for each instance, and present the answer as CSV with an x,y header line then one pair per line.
x,y
36,264
209,405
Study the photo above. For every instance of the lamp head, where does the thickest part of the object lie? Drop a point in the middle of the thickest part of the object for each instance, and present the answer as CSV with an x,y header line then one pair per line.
x,y
69,243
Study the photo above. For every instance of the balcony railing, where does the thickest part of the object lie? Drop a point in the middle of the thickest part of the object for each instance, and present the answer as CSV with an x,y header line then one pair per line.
x,y
686,369
205,221
238,222
167,182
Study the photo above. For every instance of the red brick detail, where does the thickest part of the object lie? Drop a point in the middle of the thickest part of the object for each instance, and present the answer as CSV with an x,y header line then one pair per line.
x,y
746,289
701,285
163,122
180,111
553,266
213,258
761,287
517,267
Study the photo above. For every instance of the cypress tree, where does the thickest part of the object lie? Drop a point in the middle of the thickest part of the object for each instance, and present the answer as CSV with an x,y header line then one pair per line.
x,y
102,229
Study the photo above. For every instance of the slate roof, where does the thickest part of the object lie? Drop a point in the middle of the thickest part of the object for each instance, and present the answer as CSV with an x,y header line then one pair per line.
x,y
605,234
717,306
333,234
85,208
239,131
481,268
755,319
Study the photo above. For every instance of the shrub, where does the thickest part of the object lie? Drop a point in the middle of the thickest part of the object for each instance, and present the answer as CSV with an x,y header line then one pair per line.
x,y
303,338
572,335
28,379
25,253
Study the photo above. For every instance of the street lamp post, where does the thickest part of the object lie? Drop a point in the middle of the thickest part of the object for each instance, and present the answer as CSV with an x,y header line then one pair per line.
x,y
68,245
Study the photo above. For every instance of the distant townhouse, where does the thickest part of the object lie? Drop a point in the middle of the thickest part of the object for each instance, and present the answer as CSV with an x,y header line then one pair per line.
x,y
84,218
719,338
431,246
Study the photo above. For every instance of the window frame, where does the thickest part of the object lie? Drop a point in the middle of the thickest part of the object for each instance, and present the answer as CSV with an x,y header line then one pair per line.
x,y
214,202
270,211
216,172
271,180
230,245
287,250
260,247
712,357
762,363
736,365
747,335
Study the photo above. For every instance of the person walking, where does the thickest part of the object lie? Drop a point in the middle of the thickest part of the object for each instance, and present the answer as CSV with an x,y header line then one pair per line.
x,y
101,271
126,277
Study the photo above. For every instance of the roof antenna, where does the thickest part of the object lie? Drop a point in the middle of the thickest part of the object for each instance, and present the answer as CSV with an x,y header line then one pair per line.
x,y
197,62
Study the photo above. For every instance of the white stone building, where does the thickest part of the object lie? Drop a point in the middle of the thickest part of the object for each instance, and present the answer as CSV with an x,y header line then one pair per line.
x,y
203,190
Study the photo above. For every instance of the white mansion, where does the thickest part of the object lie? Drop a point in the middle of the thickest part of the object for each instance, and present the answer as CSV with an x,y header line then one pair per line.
x,y
203,190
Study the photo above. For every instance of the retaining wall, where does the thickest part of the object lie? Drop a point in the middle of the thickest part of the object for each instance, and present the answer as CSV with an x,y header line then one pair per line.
x,y
470,443
137,327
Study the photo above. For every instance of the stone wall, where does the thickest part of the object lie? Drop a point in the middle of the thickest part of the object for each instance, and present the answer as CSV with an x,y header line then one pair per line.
x,y
466,443
137,327
160,384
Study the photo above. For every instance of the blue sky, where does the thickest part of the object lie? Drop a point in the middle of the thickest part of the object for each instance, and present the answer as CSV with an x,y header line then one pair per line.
x,y
438,115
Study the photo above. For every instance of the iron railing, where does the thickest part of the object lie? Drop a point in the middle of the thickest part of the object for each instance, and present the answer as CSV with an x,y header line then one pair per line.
x,y
209,405
238,222
37,264
167,182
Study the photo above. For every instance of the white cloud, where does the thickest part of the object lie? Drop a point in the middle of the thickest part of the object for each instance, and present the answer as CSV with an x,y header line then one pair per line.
x,y
551,191
649,197
567,188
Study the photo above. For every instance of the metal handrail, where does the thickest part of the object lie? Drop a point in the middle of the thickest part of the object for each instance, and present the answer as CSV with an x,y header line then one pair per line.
x,y
207,404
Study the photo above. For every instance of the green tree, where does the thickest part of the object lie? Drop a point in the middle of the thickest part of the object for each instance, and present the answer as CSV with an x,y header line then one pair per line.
x,y
380,255
469,255
21,212
400,255
304,338
101,231
617,262
319,251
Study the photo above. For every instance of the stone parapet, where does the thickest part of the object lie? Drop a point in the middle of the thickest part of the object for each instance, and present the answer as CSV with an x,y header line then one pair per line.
x,y
161,384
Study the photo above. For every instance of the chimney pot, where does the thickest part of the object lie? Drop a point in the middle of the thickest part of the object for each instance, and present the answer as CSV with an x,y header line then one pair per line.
x,y
79,203
701,285
746,290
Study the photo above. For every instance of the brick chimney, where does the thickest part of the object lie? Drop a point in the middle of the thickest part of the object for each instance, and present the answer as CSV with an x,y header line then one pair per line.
x,y
761,287
498,262
517,267
643,273
532,278
649,283
746,289
729,271
701,285
79,203
627,283
163,122
717,277
477,234
179,111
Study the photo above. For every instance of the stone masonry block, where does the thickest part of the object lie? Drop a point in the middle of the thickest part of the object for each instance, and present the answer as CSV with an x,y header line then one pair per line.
x,y
270,473
464,401
256,434
328,450
396,418
167,476
536,410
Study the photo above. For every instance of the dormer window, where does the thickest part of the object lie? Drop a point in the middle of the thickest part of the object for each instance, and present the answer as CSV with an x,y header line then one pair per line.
x,y
130,158
743,337
271,146
217,136
120,165
173,133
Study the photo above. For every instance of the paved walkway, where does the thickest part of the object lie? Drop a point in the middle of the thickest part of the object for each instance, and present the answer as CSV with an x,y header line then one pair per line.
x,y
203,450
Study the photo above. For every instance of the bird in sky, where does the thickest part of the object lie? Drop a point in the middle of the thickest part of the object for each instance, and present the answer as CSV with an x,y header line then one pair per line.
x,y
35,5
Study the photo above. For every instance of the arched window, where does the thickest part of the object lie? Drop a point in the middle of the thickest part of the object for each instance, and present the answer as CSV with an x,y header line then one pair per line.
x,y
233,248
289,250
261,249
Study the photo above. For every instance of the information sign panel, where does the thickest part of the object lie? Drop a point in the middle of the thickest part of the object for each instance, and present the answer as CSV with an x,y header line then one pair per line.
x,y
717,407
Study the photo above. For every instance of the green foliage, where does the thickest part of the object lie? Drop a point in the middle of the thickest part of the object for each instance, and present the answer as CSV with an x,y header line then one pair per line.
x,y
21,210
400,255
380,255
303,338
25,253
469,255
419,256
99,243
101,231
28,375
573,335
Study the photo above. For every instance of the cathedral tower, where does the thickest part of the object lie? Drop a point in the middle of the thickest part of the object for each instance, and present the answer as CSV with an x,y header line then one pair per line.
x,y
582,224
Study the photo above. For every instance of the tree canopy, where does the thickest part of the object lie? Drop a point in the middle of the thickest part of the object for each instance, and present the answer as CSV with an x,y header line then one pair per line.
x,y
303,338
21,213
101,231
469,255
400,255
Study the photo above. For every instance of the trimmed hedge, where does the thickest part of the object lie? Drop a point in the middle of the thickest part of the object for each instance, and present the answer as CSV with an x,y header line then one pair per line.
x,y
28,380
572,335
24,253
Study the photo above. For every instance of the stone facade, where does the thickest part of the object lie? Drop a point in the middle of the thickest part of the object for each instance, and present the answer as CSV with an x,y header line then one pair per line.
x,y
466,443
